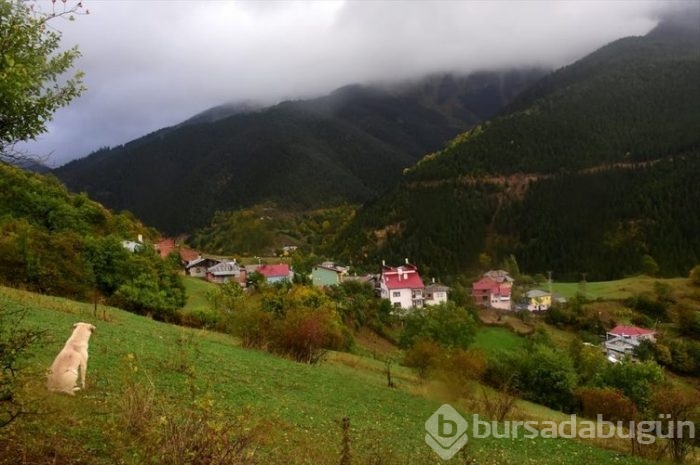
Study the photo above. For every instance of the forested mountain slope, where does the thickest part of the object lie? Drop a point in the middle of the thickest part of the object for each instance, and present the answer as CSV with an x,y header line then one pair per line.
x,y
58,243
347,146
592,170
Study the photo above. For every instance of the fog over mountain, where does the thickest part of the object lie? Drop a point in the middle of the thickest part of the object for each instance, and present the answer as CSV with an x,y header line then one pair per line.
x,y
152,64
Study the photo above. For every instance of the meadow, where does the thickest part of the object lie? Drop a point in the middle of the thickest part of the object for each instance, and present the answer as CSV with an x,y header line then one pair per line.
x,y
292,413
614,290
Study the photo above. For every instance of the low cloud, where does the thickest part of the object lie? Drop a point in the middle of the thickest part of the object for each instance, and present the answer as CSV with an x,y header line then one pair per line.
x,y
151,64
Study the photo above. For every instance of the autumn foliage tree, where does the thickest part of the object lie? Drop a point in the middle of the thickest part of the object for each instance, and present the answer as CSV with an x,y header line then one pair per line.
x,y
682,407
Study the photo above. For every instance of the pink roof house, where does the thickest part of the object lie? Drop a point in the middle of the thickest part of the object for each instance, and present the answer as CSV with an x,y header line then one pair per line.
x,y
494,290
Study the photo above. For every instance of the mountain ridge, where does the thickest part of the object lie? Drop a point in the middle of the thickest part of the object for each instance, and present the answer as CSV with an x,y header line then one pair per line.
x,y
348,146
541,181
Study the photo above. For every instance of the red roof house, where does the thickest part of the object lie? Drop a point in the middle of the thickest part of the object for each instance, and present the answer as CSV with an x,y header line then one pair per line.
x,y
622,341
275,273
402,285
631,332
166,246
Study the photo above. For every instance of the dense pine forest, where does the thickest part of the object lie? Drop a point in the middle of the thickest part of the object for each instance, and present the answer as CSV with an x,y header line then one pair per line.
x,y
348,146
592,170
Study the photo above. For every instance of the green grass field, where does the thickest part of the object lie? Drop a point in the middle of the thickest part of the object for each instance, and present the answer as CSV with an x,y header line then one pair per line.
x,y
494,340
620,289
197,290
295,408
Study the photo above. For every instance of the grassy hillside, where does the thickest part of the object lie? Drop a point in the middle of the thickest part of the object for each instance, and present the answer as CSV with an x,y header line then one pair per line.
x,y
619,289
290,412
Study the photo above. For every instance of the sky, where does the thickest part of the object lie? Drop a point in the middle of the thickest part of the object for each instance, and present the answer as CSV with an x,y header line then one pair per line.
x,y
152,64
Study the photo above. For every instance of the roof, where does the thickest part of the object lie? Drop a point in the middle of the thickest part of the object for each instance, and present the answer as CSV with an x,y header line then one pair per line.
x,y
333,267
188,254
621,330
535,293
493,287
499,276
403,277
436,287
368,278
274,271
226,268
484,284
166,246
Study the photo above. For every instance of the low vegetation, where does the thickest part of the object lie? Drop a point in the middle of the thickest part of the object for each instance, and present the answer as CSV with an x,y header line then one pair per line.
x,y
158,393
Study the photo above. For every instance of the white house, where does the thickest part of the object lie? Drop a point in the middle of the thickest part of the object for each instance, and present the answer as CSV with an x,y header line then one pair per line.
x,y
435,294
199,266
402,286
622,340
226,271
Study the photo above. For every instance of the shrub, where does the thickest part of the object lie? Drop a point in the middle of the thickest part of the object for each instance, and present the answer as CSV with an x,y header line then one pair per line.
x,y
542,374
459,369
15,341
695,275
635,380
252,325
423,355
652,308
498,404
677,405
306,334
447,324
610,403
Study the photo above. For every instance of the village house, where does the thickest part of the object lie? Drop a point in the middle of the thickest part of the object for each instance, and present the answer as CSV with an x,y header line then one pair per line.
x,y
226,271
402,286
369,279
328,274
621,341
493,290
166,246
199,266
133,246
435,294
537,300
275,273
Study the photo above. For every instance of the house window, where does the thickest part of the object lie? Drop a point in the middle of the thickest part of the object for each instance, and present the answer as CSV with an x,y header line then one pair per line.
x,y
397,304
397,294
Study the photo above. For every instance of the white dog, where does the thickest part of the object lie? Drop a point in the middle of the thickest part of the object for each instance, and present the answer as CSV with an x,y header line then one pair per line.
x,y
71,361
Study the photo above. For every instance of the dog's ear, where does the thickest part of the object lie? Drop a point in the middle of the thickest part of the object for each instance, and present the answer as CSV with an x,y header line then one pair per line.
x,y
92,328
75,325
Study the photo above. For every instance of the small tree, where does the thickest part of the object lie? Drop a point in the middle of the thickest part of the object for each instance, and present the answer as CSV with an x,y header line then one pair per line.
x,y
423,355
611,404
678,406
15,339
649,266
33,84
447,324
695,275
635,380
